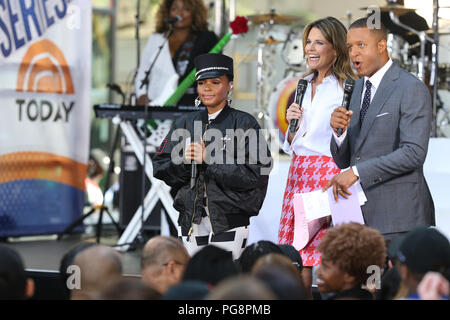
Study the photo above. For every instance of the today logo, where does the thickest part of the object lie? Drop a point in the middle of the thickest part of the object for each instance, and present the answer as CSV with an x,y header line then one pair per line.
x,y
44,70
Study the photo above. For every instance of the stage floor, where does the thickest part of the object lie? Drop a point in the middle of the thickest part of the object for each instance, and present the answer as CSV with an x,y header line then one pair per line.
x,y
45,253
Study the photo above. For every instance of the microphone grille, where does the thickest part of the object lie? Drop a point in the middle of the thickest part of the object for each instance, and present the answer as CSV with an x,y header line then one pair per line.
x,y
349,84
302,84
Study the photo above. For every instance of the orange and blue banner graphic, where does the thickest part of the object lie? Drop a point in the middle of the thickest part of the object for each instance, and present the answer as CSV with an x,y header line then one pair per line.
x,y
45,54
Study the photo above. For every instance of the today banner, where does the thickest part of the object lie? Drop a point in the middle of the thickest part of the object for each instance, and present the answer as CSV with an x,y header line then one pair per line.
x,y
45,82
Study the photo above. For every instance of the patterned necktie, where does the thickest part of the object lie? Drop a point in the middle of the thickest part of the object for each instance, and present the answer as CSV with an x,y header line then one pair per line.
x,y
366,102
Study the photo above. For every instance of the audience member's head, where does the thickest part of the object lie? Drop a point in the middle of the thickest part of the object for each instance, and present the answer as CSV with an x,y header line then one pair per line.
x,y
68,260
242,287
253,252
211,265
422,250
391,252
347,252
188,290
278,260
98,265
163,262
281,276
128,289
14,284
390,284
292,253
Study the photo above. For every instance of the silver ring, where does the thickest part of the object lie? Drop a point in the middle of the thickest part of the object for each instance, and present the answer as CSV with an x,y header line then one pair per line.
x,y
339,189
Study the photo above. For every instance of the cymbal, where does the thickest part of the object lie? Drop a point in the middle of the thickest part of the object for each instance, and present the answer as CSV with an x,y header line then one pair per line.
x,y
398,10
275,17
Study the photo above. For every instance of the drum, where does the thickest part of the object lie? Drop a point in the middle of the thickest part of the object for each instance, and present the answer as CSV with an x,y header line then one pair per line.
x,y
294,49
444,76
443,123
412,66
397,49
280,100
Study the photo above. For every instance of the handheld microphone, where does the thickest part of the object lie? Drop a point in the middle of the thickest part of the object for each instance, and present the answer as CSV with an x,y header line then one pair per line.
x,y
299,93
173,20
193,173
194,170
348,90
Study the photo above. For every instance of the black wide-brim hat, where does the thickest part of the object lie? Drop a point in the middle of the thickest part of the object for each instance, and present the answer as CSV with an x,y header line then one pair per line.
x,y
213,65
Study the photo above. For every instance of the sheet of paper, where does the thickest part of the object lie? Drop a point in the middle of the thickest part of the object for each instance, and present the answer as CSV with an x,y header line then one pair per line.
x,y
311,208
361,195
316,205
346,210
303,230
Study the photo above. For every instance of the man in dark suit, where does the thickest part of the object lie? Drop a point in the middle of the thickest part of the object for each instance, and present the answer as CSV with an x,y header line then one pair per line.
x,y
385,139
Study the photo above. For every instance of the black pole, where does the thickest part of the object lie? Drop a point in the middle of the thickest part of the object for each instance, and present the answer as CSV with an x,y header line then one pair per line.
x,y
435,52
137,37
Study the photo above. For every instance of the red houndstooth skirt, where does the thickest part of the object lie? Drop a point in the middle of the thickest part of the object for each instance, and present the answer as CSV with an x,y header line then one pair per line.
x,y
306,174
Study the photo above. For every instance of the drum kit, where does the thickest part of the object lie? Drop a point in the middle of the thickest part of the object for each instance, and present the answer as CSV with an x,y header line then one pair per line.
x,y
292,55
414,56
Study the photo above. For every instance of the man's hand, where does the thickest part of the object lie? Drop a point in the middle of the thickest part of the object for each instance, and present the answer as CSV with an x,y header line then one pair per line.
x,y
195,151
340,118
341,182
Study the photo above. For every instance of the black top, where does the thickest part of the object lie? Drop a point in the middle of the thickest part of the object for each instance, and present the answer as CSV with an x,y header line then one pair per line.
x,y
355,293
203,42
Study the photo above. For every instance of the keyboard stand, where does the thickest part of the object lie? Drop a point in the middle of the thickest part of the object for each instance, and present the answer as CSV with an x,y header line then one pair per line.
x,y
158,190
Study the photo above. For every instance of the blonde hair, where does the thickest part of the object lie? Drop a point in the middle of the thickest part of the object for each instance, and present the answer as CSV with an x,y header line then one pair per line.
x,y
198,10
336,34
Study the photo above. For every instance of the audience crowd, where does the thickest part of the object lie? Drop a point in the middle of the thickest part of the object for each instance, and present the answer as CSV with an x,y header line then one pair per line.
x,y
356,265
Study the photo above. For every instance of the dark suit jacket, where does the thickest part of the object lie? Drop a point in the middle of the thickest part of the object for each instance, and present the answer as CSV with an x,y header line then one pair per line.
x,y
389,151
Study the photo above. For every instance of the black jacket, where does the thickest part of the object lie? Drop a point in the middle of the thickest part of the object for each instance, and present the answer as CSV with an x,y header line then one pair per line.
x,y
235,186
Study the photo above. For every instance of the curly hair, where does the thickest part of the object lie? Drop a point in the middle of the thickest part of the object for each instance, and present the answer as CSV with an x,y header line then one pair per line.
x,y
354,247
199,15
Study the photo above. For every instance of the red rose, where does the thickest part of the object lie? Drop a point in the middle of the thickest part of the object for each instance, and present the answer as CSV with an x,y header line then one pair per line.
x,y
239,25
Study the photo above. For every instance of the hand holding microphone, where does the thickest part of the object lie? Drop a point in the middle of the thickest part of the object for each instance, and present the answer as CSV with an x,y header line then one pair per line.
x,y
299,93
294,112
340,118
348,90
195,154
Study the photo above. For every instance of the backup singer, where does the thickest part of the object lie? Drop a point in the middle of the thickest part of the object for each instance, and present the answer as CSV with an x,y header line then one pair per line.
x,y
190,37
